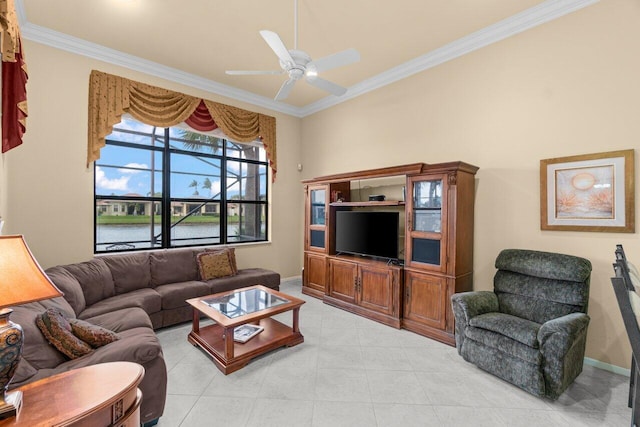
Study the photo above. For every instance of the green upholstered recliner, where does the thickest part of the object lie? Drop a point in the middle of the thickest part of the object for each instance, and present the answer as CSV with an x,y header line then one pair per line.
x,y
532,329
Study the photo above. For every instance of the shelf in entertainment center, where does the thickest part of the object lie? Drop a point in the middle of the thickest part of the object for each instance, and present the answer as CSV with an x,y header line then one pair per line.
x,y
369,203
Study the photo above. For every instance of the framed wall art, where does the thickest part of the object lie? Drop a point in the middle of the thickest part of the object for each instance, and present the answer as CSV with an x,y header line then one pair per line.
x,y
590,192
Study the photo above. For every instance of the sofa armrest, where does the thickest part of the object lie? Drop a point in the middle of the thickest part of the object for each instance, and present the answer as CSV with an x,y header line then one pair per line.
x,y
467,305
141,346
562,344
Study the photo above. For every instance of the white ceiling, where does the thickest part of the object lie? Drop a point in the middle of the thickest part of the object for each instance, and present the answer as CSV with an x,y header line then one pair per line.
x,y
194,41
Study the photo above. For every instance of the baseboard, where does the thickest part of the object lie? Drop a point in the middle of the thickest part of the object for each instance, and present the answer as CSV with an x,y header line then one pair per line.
x,y
291,279
607,367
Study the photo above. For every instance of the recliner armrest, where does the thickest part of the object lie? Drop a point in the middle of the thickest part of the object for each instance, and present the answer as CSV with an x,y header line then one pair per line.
x,y
472,304
562,344
467,305
567,328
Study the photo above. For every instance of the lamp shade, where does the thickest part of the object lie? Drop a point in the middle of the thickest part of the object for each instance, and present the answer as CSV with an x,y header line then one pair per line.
x,y
22,280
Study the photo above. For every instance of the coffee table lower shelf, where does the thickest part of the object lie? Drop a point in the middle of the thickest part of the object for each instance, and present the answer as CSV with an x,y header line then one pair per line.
x,y
212,340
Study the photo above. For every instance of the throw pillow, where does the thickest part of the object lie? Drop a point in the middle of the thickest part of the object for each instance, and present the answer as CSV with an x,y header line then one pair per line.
x,y
94,335
57,331
232,259
214,264
231,252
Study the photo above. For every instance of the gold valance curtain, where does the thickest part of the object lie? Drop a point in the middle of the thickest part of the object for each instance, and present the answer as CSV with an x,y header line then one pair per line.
x,y
9,31
111,96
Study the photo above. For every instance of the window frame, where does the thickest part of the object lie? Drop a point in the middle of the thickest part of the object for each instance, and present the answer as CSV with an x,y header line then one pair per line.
x,y
164,239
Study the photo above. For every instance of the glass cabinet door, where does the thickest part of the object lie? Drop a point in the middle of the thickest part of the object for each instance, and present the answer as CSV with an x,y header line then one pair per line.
x,y
427,206
317,205
318,198
425,222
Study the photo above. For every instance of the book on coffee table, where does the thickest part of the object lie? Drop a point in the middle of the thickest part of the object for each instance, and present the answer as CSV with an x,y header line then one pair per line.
x,y
245,332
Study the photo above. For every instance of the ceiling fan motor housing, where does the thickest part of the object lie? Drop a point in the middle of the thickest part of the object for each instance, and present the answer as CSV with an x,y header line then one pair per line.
x,y
298,69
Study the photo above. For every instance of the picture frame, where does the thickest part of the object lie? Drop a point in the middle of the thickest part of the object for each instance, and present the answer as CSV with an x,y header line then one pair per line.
x,y
589,192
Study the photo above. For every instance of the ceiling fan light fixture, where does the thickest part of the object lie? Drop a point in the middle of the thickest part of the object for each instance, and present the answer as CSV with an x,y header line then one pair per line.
x,y
298,64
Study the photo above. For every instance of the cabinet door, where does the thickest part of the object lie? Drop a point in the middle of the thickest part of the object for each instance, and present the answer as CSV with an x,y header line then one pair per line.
x,y
342,280
426,225
315,272
317,201
376,288
425,299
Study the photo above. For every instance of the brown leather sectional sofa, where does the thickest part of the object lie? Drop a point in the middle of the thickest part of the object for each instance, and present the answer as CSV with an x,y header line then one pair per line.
x,y
131,294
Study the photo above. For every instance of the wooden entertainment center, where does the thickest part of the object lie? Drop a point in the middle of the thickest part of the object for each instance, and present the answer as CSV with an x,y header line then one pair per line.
x,y
437,221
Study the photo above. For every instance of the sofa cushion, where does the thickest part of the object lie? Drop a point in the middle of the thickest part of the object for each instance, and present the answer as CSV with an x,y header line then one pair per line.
x,y
59,304
174,265
147,299
500,343
58,332
174,295
70,287
94,335
130,271
122,320
25,371
214,264
95,279
245,277
522,330
36,349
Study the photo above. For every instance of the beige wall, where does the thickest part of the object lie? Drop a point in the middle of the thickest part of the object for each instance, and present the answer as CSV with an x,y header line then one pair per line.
x,y
49,191
567,87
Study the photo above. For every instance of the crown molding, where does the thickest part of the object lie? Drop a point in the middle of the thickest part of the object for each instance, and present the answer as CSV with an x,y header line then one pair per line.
x,y
532,17
91,50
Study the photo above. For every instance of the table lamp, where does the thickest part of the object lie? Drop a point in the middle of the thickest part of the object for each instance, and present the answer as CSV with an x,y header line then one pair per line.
x,y
22,280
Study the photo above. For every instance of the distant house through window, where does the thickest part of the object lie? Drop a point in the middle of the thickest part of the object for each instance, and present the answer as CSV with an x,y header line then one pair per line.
x,y
213,191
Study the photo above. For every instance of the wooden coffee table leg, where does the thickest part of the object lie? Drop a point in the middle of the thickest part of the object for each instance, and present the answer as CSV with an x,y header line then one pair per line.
x,y
228,343
296,326
196,321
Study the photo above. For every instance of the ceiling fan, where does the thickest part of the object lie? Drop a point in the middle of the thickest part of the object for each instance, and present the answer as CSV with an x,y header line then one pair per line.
x,y
297,64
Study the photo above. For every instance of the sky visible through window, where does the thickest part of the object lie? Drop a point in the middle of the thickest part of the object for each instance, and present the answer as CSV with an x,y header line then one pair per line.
x,y
128,171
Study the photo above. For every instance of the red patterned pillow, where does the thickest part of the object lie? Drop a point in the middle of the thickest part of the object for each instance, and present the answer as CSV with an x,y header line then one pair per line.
x,y
57,331
94,335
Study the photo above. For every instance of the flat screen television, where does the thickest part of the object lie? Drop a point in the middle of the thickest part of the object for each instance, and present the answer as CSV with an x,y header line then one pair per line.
x,y
369,233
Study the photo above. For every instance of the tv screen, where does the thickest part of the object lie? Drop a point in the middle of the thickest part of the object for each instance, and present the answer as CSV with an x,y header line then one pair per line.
x,y
367,233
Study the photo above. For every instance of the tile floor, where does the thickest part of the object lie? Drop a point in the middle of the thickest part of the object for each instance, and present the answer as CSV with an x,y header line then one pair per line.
x,y
351,371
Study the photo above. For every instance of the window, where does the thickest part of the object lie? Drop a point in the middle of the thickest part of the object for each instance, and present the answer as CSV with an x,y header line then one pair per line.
x,y
212,190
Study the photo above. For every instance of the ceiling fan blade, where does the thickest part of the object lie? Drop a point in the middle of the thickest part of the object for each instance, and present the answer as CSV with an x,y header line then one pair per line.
x,y
339,59
285,89
275,43
326,85
248,72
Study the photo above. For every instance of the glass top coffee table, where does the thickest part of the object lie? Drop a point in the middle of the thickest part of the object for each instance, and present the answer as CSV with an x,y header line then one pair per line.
x,y
239,310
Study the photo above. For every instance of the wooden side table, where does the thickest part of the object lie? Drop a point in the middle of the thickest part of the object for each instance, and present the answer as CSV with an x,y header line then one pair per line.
x,y
106,394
